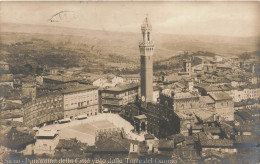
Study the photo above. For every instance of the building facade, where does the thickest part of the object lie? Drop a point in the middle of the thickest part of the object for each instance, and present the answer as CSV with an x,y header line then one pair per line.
x,y
79,101
29,90
46,141
224,105
161,120
4,66
181,101
44,109
113,98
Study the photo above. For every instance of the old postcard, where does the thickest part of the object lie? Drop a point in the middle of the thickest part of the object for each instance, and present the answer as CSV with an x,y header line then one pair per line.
x,y
129,82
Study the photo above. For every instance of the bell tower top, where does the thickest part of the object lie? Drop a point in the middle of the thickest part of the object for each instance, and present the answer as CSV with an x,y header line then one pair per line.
x,y
146,29
146,24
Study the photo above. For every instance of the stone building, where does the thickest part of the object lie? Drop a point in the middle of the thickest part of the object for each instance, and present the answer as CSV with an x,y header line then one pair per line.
x,y
80,100
224,105
180,101
113,98
46,141
4,66
61,101
45,109
7,80
29,90
161,120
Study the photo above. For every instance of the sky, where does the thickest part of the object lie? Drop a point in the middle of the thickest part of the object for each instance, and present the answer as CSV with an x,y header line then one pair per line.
x,y
190,18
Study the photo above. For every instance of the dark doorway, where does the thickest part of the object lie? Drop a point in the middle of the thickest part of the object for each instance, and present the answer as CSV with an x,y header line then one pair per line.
x,y
143,126
137,127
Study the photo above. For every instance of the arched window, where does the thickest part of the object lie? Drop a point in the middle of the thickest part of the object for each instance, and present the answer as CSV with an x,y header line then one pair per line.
x,y
148,36
143,36
166,103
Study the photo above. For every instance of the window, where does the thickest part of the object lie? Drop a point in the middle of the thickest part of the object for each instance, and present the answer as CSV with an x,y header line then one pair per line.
x,y
148,36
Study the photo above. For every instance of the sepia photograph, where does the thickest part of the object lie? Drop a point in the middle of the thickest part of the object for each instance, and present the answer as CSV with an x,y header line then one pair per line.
x,y
113,82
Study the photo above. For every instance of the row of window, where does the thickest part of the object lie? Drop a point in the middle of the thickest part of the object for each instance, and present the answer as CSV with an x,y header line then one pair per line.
x,y
119,95
41,113
33,121
42,108
79,99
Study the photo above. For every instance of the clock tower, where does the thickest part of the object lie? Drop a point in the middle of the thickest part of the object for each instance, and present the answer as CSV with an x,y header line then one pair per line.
x,y
146,47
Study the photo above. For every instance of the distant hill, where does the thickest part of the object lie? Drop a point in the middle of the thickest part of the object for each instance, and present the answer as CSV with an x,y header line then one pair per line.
x,y
126,44
175,63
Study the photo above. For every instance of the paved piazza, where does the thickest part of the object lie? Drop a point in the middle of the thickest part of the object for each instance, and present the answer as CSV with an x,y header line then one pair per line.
x,y
84,130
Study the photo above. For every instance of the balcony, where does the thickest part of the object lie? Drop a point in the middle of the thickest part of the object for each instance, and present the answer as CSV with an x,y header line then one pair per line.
x,y
150,43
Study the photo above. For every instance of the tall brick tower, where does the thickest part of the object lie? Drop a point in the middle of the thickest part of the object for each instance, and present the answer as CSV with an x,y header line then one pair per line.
x,y
146,47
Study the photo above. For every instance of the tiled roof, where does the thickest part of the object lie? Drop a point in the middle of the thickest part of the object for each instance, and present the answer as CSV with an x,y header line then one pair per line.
x,y
139,117
131,76
211,88
61,78
17,138
3,62
216,143
46,133
173,77
6,78
197,127
245,103
243,128
79,88
66,143
228,129
244,115
178,138
204,114
165,144
186,152
184,95
212,152
212,129
148,136
190,140
220,96
206,99
247,139
11,106
122,87
112,144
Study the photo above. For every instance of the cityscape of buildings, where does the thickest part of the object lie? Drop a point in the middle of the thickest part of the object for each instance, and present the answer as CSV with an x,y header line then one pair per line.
x,y
206,113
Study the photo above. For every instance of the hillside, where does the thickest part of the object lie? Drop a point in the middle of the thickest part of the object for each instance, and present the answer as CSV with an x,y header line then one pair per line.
x,y
29,47
126,44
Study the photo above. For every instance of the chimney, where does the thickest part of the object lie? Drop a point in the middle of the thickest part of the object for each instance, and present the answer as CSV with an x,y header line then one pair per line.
x,y
214,117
